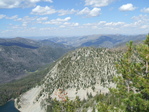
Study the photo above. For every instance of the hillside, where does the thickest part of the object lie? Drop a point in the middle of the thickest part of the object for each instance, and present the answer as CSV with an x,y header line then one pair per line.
x,y
107,41
19,56
82,73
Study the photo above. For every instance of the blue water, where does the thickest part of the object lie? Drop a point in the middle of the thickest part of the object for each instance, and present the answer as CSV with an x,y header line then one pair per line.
x,y
8,107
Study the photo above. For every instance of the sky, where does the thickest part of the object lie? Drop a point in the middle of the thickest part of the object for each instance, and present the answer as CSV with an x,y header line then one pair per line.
x,y
27,18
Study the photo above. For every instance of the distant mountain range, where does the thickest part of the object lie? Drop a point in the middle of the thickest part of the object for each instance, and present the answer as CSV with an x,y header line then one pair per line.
x,y
19,56
98,40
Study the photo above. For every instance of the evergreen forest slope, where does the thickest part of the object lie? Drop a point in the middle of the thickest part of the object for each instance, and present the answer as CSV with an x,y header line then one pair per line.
x,y
19,56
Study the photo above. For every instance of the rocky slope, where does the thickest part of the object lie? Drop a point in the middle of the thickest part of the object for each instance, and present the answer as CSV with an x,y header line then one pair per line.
x,y
80,73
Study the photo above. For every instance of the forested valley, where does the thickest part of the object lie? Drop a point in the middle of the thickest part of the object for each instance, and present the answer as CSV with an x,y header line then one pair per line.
x,y
13,89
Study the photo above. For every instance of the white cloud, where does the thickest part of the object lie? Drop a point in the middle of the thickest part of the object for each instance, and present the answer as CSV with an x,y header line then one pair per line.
x,y
127,7
114,24
141,21
12,17
34,1
75,24
70,24
90,13
38,10
145,10
26,18
144,18
24,24
65,12
66,28
101,22
98,3
8,17
58,21
48,1
104,24
145,26
42,19
62,20
14,26
2,16
9,3
25,21
95,12
86,10
20,3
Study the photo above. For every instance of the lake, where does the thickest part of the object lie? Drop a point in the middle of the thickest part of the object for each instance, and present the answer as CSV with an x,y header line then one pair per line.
x,y
8,107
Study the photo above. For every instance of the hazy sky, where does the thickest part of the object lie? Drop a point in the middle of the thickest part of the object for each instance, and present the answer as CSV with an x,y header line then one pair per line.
x,y
73,17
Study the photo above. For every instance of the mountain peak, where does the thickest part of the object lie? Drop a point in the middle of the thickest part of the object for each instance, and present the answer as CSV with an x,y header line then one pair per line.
x,y
80,73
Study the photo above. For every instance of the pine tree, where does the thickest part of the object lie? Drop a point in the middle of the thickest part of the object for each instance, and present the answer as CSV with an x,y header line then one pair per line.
x,y
132,92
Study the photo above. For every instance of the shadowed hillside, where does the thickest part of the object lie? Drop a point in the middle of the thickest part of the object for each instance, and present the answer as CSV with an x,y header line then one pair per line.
x,y
18,56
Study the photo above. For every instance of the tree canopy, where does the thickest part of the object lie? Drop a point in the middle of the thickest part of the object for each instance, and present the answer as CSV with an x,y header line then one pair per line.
x,y
132,89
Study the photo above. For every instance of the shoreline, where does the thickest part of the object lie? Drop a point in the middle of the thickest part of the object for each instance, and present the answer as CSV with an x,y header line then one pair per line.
x,y
9,107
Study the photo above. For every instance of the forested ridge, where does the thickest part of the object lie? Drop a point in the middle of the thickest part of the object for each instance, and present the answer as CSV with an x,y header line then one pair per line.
x,y
18,56
131,93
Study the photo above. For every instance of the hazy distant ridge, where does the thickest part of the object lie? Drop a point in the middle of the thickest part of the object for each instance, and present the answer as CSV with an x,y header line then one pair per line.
x,y
98,40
